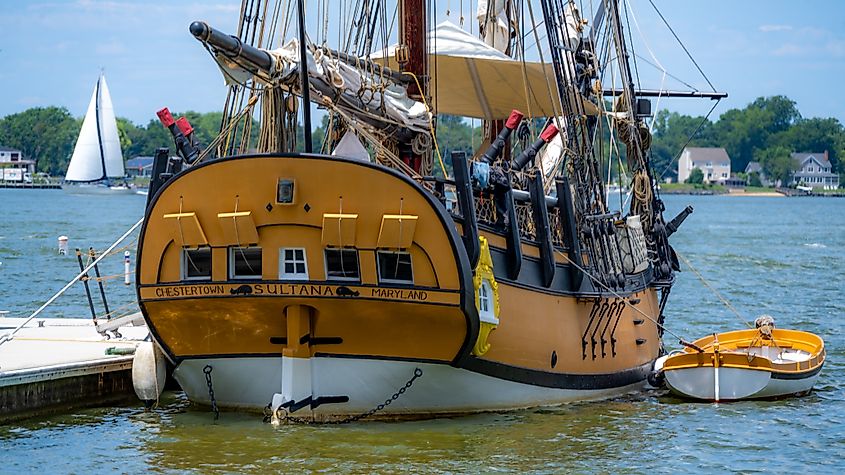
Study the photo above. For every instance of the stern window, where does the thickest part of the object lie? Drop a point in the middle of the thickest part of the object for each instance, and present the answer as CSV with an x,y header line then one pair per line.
x,y
292,265
395,267
245,262
196,264
486,312
342,264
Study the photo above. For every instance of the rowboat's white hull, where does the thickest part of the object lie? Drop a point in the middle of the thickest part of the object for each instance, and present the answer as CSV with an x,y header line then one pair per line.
x,y
250,383
735,383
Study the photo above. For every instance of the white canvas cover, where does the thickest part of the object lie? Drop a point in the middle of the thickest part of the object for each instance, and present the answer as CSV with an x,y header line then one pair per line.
x,y
473,79
351,147
86,163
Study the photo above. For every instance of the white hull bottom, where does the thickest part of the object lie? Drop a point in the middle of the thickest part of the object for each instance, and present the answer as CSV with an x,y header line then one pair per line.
x,y
251,384
97,189
734,383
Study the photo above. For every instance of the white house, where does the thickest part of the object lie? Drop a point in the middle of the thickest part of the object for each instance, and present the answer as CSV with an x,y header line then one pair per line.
x,y
714,162
814,170
13,167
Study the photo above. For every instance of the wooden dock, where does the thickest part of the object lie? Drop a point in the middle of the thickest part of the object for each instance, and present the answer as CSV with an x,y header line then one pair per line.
x,y
31,186
55,364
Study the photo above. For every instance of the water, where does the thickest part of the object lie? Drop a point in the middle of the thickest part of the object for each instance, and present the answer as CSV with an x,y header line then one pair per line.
x,y
766,255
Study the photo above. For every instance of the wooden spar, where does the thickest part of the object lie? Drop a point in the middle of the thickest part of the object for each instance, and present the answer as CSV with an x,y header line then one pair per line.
x,y
413,26
412,32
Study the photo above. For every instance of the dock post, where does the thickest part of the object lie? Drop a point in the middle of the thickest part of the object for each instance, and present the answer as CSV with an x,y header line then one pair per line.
x,y
84,280
93,254
126,275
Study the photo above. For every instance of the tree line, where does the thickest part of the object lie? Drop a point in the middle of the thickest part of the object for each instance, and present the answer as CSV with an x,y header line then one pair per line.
x,y
766,130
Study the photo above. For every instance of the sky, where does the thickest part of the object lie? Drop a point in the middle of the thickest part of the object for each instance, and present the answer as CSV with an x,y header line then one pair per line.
x,y
51,52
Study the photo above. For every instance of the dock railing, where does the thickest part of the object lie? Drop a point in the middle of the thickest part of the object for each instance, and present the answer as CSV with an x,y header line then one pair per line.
x,y
9,336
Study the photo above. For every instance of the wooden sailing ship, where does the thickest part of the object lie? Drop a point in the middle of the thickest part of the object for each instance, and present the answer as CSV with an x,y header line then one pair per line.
x,y
357,282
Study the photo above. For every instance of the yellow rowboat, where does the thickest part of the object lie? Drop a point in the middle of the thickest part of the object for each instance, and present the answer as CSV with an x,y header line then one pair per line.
x,y
745,364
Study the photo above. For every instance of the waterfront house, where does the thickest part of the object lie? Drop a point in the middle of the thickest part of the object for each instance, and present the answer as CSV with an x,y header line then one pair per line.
x,y
814,170
714,162
139,166
755,167
13,166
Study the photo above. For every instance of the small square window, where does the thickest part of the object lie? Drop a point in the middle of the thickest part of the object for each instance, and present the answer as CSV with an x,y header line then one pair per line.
x,y
196,264
292,264
342,264
395,267
245,262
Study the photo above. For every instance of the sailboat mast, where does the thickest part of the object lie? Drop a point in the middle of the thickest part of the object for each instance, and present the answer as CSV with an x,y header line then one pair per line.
x,y
99,128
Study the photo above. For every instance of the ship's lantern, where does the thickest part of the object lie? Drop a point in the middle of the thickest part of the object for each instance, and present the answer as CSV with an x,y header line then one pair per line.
x,y
284,191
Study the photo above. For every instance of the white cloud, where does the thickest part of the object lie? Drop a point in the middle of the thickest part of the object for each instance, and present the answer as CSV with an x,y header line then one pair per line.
x,y
771,28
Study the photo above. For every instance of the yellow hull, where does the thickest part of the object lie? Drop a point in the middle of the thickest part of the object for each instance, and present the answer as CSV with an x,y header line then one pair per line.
x,y
544,337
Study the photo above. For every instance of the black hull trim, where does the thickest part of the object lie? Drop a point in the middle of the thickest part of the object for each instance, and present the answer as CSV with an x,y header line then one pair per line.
x,y
793,376
533,377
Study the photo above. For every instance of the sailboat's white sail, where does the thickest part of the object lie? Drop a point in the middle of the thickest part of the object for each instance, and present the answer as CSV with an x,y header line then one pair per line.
x,y
88,159
108,132
85,163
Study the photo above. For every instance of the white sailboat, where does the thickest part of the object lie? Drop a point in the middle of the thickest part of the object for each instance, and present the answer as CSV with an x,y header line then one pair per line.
x,y
97,161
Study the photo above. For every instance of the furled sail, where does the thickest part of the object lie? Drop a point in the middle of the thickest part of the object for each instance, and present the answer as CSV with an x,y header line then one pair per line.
x,y
349,88
474,79
97,154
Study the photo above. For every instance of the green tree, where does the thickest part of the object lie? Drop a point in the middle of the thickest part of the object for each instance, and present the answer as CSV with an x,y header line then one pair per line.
x,y
44,134
754,179
777,163
741,131
123,132
815,135
696,177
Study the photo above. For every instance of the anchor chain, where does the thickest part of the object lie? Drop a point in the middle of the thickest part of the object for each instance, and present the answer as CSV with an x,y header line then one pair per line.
x,y
207,370
302,420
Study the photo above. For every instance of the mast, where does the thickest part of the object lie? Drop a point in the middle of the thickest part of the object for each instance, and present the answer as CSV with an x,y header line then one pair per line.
x,y
412,56
99,131
412,32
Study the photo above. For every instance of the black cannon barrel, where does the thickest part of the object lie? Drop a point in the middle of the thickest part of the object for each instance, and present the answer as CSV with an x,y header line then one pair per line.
x,y
677,221
231,46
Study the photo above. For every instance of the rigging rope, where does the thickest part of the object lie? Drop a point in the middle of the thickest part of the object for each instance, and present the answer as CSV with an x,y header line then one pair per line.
x,y
682,45
715,292
430,124
616,294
